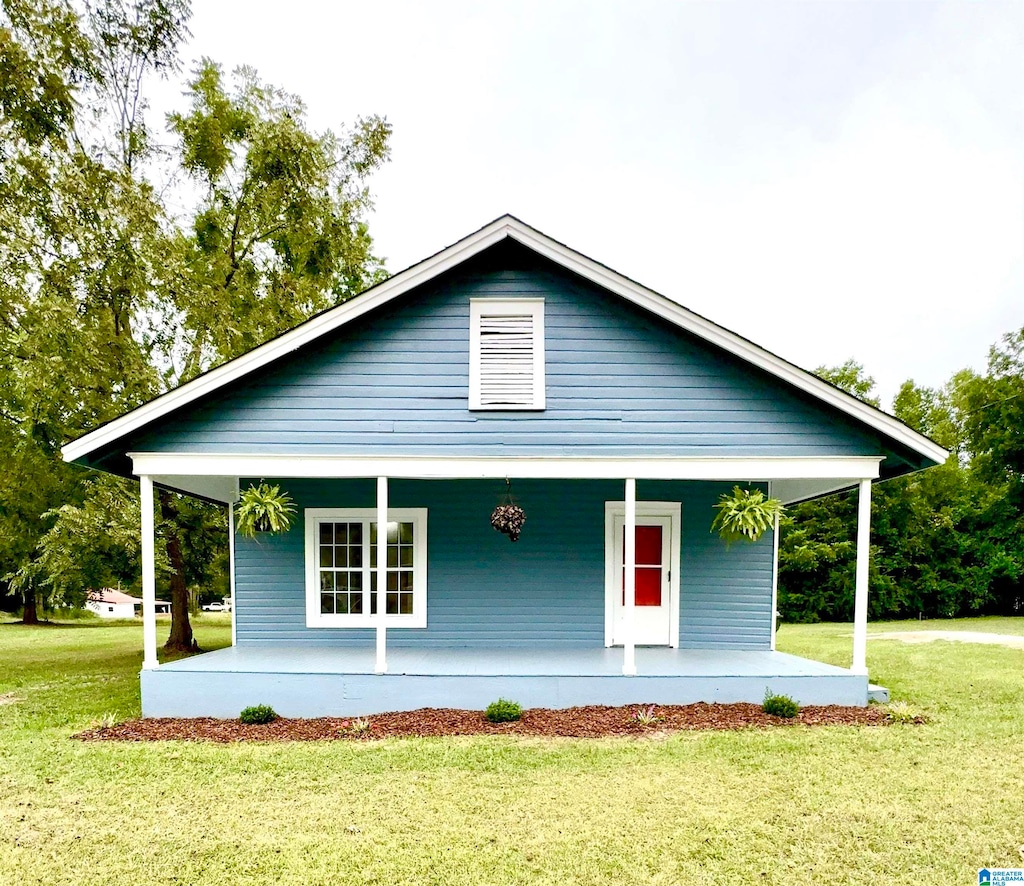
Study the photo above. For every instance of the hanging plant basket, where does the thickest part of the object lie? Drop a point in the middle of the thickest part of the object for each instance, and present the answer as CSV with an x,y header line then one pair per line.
x,y
264,508
745,515
508,518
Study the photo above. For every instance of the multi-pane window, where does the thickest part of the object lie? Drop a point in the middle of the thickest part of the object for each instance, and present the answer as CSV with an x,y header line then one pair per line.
x,y
341,560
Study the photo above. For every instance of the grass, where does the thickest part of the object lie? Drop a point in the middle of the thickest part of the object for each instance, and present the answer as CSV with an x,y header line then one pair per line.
x,y
929,804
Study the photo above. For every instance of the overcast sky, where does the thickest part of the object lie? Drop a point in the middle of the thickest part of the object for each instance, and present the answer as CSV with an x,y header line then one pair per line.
x,y
831,180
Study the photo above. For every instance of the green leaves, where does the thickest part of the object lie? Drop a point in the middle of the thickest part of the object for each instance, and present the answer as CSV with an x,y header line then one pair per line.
x,y
44,58
945,542
852,378
994,415
745,515
92,545
280,233
106,297
264,508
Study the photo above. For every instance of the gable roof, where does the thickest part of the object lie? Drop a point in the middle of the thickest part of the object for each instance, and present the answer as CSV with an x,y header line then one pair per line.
x,y
511,228
112,595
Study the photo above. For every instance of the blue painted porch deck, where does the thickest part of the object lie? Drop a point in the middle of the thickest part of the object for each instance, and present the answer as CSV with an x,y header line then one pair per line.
x,y
310,681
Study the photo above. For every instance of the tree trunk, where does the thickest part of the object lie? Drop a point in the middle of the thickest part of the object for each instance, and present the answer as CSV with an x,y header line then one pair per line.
x,y
29,612
180,639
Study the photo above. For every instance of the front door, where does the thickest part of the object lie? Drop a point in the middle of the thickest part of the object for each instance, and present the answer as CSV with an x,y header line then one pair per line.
x,y
653,601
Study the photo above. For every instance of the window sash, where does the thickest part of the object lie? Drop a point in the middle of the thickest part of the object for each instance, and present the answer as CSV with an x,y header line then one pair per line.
x,y
341,567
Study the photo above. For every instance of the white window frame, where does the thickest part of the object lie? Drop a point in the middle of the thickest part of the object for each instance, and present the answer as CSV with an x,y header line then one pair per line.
x,y
478,307
315,618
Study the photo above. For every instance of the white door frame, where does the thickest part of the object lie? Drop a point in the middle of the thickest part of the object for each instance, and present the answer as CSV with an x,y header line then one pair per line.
x,y
670,509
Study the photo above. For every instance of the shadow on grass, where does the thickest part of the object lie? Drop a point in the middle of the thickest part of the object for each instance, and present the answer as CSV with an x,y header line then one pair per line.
x,y
108,623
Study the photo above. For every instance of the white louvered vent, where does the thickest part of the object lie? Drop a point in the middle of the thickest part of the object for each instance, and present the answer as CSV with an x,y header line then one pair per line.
x,y
506,360
506,354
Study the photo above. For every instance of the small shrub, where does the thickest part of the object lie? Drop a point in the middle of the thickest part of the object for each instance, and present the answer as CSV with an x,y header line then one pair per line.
x,y
645,716
904,712
779,705
503,711
257,714
107,721
357,726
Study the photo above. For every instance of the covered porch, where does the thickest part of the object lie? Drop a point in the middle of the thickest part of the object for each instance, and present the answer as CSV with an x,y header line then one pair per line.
x,y
544,648
310,681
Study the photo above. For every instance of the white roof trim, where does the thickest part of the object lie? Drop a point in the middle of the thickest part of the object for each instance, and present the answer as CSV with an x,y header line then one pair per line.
x,y
464,249
175,467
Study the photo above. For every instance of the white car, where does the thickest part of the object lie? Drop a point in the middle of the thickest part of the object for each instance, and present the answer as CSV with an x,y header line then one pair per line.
x,y
216,607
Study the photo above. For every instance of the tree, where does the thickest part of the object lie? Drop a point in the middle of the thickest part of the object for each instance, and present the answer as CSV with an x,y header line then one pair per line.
x,y
817,547
945,542
106,300
852,378
93,545
993,425
280,233
994,415
80,239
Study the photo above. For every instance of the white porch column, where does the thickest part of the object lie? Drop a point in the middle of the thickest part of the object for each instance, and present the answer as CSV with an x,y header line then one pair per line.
x,y
381,665
231,571
860,603
149,659
775,579
629,556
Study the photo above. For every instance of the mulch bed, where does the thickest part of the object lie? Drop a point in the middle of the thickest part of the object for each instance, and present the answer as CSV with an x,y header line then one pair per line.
x,y
582,722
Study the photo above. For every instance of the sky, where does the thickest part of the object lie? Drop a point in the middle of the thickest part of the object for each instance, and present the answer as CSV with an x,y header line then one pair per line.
x,y
831,180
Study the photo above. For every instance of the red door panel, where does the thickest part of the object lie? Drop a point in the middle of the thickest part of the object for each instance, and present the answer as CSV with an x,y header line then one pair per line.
x,y
648,587
648,555
648,545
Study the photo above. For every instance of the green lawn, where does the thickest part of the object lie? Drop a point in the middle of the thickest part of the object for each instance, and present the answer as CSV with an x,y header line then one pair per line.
x,y
924,805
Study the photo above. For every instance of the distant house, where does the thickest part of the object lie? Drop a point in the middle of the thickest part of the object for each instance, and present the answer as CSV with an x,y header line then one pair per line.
x,y
618,415
111,603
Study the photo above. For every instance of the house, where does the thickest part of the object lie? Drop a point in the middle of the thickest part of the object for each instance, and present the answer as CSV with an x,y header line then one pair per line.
x,y
112,603
617,416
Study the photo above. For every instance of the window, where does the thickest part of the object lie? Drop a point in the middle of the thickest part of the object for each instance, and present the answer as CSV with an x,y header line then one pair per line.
x,y
341,567
506,353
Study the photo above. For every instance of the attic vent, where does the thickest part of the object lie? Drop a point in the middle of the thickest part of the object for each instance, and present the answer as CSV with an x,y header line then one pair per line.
x,y
506,354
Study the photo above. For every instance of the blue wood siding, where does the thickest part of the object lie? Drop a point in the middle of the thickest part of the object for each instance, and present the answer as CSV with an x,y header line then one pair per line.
x,y
546,589
619,382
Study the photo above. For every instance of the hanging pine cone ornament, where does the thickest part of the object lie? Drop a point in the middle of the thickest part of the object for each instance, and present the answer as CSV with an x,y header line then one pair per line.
x,y
509,519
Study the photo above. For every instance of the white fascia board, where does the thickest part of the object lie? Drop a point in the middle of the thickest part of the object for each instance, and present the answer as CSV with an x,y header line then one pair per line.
x,y
169,465
506,226
711,332
290,341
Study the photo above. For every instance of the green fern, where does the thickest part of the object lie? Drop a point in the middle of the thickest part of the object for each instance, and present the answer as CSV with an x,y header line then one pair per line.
x,y
264,508
745,515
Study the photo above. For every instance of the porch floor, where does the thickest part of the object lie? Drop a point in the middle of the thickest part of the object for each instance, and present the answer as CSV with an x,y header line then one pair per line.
x,y
652,661
325,681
